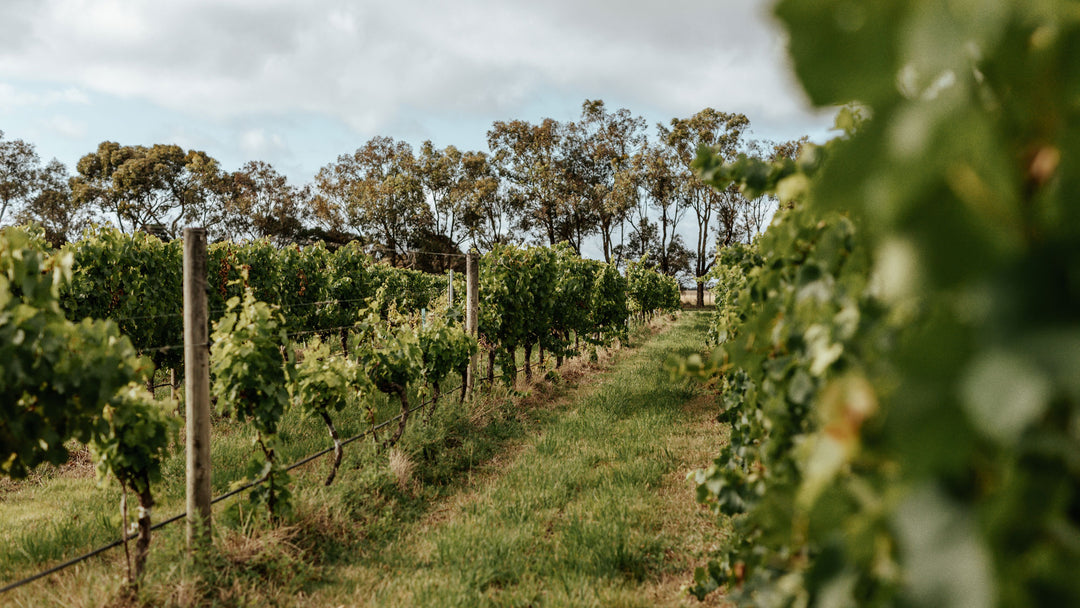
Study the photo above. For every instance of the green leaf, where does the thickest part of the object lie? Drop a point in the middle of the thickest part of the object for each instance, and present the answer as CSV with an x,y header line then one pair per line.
x,y
1004,393
946,562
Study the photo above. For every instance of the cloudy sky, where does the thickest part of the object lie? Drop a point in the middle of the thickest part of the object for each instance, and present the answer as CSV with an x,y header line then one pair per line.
x,y
298,83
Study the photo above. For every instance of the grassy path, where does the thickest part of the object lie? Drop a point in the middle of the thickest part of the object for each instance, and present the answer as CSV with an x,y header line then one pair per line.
x,y
594,509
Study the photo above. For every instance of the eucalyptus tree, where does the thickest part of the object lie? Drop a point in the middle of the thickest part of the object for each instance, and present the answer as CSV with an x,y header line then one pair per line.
x,y
527,159
660,180
261,203
150,189
578,187
722,132
440,175
19,169
611,139
53,208
490,211
376,193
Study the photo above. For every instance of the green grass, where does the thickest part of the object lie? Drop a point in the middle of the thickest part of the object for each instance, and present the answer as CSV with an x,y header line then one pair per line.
x,y
573,521
573,509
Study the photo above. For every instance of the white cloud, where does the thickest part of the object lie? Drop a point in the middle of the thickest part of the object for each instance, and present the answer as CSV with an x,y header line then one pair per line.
x,y
257,144
362,63
11,96
65,126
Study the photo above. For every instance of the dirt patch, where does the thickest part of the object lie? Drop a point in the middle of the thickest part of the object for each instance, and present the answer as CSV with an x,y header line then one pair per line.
x,y
78,466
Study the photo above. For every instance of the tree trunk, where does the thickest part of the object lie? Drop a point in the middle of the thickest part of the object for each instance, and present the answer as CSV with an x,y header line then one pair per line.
x,y
271,496
337,446
528,361
434,402
491,367
142,544
131,578
403,395
700,295
174,383
464,385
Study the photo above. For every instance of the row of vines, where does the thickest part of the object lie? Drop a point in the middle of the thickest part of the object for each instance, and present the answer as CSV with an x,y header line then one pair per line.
x,y
898,356
299,328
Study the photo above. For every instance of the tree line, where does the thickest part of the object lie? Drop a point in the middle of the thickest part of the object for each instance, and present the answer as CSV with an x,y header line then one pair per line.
x,y
602,176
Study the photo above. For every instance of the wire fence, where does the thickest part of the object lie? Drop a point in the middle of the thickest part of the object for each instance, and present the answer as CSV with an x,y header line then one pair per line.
x,y
116,543
218,311
306,332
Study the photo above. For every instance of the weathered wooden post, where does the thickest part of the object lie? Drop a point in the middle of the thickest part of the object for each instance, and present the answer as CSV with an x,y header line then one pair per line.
x,y
472,310
197,389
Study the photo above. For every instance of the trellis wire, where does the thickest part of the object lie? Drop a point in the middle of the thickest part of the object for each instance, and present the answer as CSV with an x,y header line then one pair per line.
x,y
116,543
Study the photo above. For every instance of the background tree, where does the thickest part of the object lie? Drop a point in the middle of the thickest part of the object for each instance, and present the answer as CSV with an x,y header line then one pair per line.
x,y
611,139
376,193
261,203
660,181
723,132
201,190
53,207
526,157
440,174
490,210
19,169
577,188
154,189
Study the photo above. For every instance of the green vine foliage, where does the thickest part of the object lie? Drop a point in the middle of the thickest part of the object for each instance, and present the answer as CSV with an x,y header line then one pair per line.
x,y
609,307
251,382
900,367
649,292
131,447
392,359
134,279
573,299
445,349
506,302
325,383
55,375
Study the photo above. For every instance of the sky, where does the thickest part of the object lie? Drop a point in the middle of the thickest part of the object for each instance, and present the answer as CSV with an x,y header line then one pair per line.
x,y
297,84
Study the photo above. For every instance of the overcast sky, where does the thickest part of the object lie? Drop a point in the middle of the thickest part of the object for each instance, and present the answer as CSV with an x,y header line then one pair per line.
x,y
298,83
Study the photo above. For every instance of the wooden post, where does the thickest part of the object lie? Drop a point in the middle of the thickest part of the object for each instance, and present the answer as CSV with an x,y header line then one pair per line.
x,y
472,309
450,290
197,389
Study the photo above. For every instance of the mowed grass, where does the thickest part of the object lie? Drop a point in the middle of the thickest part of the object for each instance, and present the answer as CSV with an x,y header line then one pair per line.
x,y
594,510
572,495
62,512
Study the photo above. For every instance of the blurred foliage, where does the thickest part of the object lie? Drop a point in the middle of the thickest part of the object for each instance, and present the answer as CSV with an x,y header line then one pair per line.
x,y
899,359
62,381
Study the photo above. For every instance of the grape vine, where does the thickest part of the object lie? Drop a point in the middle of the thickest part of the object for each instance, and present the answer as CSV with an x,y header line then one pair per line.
x,y
898,359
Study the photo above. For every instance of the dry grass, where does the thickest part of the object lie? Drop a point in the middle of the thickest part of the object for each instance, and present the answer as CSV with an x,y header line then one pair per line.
x,y
78,466
402,468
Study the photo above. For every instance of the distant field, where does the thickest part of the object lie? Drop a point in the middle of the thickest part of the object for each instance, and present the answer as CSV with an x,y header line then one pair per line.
x,y
689,297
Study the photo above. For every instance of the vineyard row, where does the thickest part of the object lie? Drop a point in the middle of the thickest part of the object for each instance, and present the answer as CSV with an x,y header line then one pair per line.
x,y
81,331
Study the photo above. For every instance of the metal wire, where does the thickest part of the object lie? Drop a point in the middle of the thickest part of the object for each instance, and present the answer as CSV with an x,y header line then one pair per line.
x,y
116,543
